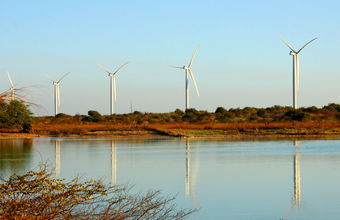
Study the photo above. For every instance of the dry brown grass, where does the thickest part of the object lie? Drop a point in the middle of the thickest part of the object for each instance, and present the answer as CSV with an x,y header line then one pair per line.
x,y
187,129
249,125
79,128
247,128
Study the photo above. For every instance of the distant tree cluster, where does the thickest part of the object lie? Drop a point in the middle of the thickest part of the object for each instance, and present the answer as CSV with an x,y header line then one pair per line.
x,y
276,113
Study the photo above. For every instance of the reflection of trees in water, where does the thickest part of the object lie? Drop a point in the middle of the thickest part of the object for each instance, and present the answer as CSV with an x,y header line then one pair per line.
x,y
15,154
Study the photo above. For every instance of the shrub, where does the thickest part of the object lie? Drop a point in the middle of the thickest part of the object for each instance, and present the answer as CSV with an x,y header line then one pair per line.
x,y
221,110
15,115
179,111
94,116
296,115
262,113
37,195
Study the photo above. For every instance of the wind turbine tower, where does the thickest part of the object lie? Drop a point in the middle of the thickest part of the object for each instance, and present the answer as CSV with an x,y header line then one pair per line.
x,y
187,70
56,93
113,85
295,70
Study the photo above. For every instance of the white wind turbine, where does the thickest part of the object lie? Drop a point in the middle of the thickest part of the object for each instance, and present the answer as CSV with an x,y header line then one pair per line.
x,y
12,88
56,93
295,70
113,85
188,69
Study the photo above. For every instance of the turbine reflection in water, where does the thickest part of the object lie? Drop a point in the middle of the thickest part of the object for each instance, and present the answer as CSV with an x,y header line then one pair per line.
x,y
297,192
191,175
113,163
57,158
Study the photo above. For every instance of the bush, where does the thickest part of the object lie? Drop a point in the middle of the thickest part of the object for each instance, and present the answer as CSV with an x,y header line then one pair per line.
x,y
220,110
94,116
262,113
37,195
15,115
137,113
178,112
296,115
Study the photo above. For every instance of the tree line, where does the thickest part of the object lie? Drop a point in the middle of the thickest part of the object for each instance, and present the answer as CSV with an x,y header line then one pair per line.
x,y
276,113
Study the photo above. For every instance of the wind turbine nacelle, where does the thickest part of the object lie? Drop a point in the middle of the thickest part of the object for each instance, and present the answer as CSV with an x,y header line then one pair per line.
x,y
185,67
292,53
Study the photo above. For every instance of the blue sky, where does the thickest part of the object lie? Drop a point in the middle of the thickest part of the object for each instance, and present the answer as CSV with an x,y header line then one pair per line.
x,y
241,61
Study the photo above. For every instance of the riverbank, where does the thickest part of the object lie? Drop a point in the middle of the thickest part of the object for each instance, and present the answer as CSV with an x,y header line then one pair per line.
x,y
162,131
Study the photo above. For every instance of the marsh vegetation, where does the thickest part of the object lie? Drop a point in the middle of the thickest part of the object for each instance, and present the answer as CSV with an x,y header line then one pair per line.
x,y
276,120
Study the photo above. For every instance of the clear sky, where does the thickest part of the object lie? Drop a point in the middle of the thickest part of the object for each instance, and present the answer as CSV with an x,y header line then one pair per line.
x,y
241,62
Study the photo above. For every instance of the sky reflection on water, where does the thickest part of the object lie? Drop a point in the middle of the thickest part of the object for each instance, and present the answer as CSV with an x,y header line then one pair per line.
x,y
229,178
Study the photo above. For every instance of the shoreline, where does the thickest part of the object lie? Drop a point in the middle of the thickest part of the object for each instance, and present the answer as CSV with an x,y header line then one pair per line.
x,y
156,134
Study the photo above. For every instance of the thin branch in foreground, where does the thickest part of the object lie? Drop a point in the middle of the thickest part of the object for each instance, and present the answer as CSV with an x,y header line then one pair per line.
x,y
36,195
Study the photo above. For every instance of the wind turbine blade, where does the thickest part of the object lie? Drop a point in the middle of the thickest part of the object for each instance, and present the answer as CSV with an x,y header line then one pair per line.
x,y
104,69
120,67
193,79
287,44
10,79
194,55
177,67
306,44
58,94
49,78
114,86
63,77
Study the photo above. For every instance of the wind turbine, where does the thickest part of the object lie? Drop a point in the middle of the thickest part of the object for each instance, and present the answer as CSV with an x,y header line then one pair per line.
x,y
295,70
113,84
12,88
56,93
188,69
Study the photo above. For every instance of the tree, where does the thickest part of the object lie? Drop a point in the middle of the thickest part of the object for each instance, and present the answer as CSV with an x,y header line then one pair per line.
x,y
37,195
15,115
220,110
178,111
94,116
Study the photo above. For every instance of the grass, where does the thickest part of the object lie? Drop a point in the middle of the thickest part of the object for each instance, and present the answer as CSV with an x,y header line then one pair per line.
x,y
186,129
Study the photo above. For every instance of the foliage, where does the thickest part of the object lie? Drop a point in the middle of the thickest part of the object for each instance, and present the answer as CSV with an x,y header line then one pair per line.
x,y
15,115
37,195
221,110
94,116
138,120
178,112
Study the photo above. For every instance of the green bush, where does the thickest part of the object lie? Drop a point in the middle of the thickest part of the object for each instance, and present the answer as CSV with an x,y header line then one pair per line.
x,y
94,116
15,115
220,110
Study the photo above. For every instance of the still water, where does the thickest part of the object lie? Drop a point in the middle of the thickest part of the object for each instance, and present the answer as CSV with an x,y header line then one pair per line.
x,y
228,178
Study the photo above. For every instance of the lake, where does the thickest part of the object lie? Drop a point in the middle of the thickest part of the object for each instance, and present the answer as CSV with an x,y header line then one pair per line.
x,y
230,178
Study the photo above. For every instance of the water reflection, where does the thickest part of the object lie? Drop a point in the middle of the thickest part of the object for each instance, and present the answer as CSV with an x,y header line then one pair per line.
x,y
57,158
15,154
297,192
240,178
113,163
190,180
